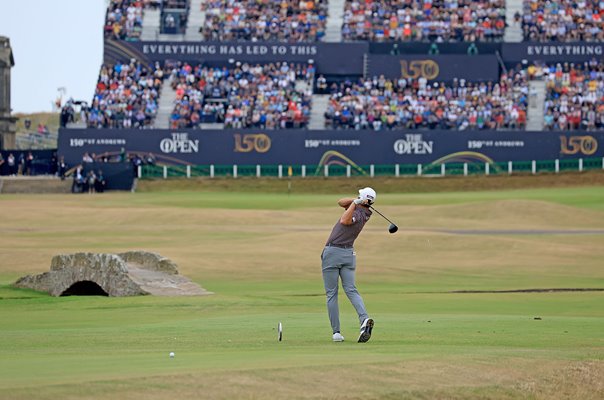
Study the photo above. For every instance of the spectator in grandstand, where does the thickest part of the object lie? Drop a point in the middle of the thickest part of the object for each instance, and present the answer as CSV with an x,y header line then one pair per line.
x,y
574,96
517,19
321,85
263,96
285,20
170,22
124,19
548,121
435,21
563,21
381,103
126,96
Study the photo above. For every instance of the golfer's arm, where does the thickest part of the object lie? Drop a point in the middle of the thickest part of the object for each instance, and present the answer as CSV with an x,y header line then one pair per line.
x,y
345,202
346,218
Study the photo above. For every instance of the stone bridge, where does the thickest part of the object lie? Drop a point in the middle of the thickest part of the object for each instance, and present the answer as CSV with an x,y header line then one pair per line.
x,y
126,274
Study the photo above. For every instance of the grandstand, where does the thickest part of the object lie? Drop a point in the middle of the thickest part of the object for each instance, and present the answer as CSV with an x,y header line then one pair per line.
x,y
136,95
464,20
190,71
563,21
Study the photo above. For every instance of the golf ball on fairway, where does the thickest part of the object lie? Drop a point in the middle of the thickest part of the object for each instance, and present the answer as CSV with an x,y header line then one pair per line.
x,y
171,354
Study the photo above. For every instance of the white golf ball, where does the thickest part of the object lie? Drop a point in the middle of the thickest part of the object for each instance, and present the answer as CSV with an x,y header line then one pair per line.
x,y
171,354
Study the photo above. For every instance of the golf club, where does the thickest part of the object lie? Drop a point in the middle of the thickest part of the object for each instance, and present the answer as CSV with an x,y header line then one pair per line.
x,y
392,228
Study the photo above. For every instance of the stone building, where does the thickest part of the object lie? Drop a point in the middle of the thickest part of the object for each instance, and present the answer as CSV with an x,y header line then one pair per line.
x,y
7,123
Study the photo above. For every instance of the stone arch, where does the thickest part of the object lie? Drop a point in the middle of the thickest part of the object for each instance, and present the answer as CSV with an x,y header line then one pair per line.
x,y
84,288
126,274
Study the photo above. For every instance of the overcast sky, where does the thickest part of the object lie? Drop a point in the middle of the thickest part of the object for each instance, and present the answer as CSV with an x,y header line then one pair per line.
x,y
56,43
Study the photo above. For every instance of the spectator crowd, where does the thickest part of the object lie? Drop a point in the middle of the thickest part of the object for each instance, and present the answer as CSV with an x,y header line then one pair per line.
x,y
282,20
278,95
271,96
574,95
379,103
88,182
17,164
426,20
563,21
124,18
373,20
126,96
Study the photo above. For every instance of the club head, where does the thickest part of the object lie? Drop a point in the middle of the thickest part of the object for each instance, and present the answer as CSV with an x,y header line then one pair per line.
x,y
392,228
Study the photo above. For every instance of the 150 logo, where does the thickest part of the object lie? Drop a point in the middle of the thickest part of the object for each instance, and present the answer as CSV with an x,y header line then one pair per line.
x,y
258,142
419,68
586,145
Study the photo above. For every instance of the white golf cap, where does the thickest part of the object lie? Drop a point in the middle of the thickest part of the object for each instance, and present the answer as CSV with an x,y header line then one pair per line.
x,y
367,194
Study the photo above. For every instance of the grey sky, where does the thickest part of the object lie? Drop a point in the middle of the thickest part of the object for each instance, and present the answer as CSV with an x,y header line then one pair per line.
x,y
56,43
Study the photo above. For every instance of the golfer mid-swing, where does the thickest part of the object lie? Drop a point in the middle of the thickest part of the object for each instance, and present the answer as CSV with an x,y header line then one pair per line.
x,y
339,261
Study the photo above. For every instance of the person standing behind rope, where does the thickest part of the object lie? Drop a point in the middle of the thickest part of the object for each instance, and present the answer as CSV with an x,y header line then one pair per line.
x,y
12,164
62,168
338,261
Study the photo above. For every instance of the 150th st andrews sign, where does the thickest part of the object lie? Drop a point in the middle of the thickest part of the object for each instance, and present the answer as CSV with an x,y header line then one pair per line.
x,y
201,147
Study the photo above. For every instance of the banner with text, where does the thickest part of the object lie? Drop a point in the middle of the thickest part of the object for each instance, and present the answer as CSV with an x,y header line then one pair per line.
x,y
439,68
296,147
552,52
329,58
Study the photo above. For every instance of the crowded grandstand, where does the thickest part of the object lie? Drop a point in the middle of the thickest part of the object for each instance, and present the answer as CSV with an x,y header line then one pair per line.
x,y
333,67
276,93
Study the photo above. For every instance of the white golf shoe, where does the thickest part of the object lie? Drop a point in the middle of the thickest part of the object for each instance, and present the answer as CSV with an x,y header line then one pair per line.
x,y
366,328
337,337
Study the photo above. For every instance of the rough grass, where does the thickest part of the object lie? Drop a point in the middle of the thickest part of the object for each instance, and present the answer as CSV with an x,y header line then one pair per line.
x,y
260,254
332,185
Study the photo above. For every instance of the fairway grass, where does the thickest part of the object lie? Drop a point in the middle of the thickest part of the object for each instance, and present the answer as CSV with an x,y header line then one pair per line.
x,y
259,254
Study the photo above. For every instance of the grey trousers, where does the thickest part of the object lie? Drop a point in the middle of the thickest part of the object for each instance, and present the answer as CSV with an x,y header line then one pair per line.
x,y
340,263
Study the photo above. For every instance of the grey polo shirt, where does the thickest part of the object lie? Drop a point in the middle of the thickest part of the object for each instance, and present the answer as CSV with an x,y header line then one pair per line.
x,y
345,235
